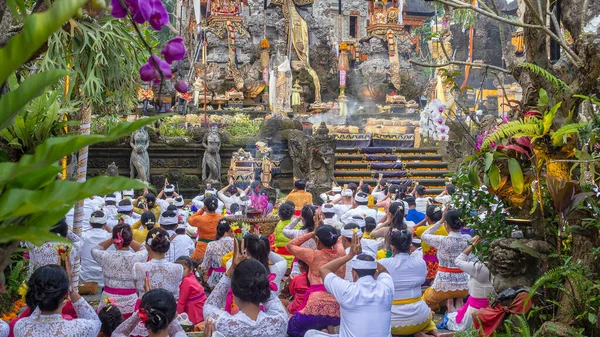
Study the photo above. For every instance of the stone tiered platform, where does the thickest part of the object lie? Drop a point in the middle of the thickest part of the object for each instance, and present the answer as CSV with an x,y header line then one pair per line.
x,y
398,165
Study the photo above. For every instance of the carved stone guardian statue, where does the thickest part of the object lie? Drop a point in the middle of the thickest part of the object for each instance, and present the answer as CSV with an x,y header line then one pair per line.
x,y
139,162
323,159
211,162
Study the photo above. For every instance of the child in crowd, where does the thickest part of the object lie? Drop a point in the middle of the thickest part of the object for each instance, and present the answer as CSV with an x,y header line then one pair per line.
x,y
191,293
298,287
111,318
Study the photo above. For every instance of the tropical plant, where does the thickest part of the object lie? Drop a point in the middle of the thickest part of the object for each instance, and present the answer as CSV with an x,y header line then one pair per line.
x,y
102,125
32,198
480,209
170,128
41,119
577,292
104,56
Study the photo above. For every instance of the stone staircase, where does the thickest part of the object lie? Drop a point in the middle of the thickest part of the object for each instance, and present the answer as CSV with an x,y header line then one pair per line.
x,y
398,165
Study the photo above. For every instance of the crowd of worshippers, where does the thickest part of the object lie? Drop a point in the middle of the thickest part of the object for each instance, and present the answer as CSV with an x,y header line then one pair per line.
x,y
354,266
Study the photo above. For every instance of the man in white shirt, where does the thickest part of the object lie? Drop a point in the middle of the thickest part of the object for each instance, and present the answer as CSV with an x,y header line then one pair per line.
x,y
343,203
331,218
90,205
362,210
381,190
366,303
124,214
199,204
90,269
236,196
180,244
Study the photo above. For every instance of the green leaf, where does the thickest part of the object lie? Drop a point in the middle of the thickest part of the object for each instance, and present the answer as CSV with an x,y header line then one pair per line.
x,y
527,250
21,202
489,159
36,30
543,98
53,149
474,177
516,175
592,318
494,175
12,102
549,117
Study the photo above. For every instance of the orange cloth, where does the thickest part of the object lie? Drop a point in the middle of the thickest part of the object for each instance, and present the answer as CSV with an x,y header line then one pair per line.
x,y
487,320
315,259
207,230
433,298
299,198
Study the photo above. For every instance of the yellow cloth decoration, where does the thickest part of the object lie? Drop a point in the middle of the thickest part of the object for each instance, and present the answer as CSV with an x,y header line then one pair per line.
x,y
381,254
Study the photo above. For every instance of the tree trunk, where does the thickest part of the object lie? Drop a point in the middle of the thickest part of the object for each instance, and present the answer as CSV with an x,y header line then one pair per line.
x,y
84,129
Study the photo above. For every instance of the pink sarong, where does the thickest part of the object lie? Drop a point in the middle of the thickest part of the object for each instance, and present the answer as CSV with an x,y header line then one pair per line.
x,y
477,303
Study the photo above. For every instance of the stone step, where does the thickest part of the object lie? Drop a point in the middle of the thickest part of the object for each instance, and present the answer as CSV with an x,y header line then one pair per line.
x,y
368,177
399,150
419,166
390,157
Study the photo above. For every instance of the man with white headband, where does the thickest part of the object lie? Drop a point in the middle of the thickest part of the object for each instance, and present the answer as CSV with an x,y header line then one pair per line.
x,y
183,213
167,196
198,204
110,205
362,210
124,214
366,303
128,194
330,214
169,220
90,269
344,202
415,248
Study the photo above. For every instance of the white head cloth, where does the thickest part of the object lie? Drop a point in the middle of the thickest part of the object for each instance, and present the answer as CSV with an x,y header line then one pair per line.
x,y
99,220
362,264
347,193
171,220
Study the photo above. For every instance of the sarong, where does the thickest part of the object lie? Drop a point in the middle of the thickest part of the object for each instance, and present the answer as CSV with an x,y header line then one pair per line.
x,y
319,311
432,263
433,298
124,298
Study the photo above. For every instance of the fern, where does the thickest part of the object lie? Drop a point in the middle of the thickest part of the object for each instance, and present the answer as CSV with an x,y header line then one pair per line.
x,y
527,126
557,83
566,130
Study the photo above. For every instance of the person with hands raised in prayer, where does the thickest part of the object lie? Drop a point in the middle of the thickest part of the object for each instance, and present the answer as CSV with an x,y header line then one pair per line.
x,y
367,299
250,285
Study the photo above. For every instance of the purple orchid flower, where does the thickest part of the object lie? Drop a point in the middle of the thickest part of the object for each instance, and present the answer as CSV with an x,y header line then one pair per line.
x,y
181,86
118,11
149,72
154,12
505,119
174,50
479,142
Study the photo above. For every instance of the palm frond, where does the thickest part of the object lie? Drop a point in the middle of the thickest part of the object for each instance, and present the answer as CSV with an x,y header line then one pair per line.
x,y
557,83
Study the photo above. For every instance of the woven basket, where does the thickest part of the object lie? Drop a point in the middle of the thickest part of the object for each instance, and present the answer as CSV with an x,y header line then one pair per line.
x,y
267,224
88,288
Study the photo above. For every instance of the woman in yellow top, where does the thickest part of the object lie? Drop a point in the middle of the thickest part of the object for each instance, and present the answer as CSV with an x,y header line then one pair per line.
x,y
143,226
286,211
433,215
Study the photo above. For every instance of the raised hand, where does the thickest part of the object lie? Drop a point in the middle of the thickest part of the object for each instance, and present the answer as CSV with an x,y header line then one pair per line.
x,y
355,248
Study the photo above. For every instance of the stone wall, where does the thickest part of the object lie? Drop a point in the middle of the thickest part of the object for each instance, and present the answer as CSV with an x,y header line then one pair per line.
x,y
180,164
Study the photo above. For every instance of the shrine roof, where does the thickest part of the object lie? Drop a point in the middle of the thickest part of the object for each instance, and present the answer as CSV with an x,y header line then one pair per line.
x,y
419,8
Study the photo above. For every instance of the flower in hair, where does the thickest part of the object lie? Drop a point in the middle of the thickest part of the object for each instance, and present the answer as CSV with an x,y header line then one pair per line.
x,y
355,230
110,302
333,235
119,240
143,315
272,284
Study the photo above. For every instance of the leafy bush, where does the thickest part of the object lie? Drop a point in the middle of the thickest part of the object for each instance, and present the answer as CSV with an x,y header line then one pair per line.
x,y
104,124
241,126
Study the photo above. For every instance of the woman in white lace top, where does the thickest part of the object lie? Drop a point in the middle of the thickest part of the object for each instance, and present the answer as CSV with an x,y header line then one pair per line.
x,y
54,252
156,317
158,272
117,265
215,250
250,286
48,290
450,282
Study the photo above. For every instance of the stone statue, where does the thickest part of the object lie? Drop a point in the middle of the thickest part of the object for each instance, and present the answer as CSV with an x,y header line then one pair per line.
x,y
301,150
140,162
512,265
281,81
211,162
112,170
323,159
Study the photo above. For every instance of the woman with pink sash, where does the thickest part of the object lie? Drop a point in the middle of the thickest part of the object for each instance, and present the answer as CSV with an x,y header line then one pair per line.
x,y
117,265
212,264
320,309
480,287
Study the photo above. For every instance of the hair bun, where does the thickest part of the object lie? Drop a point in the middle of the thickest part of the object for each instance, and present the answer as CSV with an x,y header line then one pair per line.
x,y
156,320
